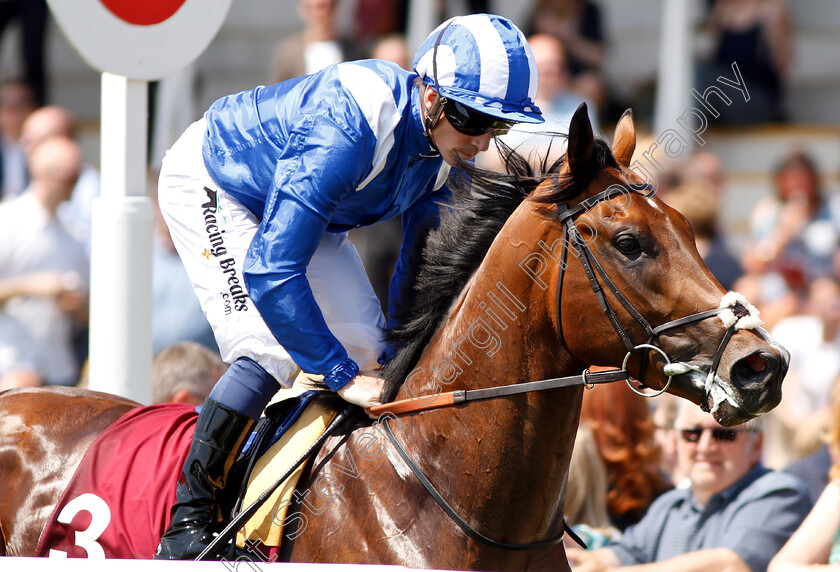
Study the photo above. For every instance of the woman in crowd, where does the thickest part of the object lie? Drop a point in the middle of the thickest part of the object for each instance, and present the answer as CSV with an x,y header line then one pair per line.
x,y
816,544
623,430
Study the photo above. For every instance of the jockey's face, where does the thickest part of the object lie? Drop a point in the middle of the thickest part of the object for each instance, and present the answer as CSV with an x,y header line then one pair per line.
x,y
453,145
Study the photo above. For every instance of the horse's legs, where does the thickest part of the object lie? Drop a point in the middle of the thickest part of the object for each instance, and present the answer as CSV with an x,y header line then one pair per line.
x,y
2,543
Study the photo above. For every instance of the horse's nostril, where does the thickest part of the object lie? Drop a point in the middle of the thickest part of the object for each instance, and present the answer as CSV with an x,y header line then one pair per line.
x,y
755,362
754,368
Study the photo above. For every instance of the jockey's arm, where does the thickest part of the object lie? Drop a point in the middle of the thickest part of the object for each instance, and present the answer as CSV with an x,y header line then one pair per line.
x,y
275,273
309,184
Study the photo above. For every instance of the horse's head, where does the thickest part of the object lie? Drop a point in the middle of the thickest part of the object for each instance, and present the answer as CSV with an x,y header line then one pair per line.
x,y
623,240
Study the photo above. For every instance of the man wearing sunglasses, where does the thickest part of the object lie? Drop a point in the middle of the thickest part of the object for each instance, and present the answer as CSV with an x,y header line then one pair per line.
x,y
732,514
260,193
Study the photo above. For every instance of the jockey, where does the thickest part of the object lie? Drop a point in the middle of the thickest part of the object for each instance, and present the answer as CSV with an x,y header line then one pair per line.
x,y
260,193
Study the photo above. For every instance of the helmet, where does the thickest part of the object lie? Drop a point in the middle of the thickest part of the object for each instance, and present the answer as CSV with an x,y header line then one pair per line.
x,y
484,62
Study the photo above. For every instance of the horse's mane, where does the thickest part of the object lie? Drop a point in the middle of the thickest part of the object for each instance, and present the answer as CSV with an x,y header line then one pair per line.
x,y
481,203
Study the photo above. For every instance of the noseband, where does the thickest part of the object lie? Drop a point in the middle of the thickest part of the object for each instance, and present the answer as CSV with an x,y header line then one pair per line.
x,y
736,313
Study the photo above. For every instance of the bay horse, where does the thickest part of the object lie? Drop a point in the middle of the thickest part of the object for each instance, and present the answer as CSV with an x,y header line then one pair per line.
x,y
527,277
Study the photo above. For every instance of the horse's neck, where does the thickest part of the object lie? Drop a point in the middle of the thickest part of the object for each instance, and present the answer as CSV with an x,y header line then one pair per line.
x,y
501,331
503,325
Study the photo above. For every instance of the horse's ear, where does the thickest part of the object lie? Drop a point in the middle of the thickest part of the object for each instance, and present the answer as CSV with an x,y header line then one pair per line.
x,y
624,142
581,140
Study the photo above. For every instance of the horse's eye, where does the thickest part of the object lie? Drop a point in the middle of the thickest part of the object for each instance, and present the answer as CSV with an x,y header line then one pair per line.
x,y
628,245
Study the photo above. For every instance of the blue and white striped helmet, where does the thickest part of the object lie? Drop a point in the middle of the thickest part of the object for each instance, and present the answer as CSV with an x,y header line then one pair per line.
x,y
485,63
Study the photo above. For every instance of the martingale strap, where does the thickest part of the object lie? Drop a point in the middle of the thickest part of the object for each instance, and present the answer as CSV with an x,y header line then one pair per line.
x,y
464,525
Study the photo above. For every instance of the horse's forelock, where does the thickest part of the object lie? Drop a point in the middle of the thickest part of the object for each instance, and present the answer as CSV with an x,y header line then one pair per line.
x,y
567,185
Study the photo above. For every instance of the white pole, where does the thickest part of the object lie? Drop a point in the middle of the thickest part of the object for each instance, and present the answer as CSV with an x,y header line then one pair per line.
x,y
121,252
421,22
676,67
175,110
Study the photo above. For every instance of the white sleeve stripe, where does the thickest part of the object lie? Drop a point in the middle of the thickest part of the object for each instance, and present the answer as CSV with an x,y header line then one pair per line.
x,y
376,101
494,59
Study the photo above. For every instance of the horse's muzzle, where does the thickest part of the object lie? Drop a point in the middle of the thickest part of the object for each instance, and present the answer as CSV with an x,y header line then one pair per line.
x,y
757,382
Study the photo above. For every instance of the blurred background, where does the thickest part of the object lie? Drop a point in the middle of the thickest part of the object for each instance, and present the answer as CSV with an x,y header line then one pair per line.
x,y
760,184
242,55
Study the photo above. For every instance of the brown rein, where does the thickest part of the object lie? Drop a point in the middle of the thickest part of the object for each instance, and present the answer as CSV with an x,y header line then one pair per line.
x,y
452,398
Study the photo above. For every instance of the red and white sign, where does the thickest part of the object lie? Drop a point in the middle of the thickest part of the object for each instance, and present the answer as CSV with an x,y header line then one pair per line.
x,y
143,12
140,39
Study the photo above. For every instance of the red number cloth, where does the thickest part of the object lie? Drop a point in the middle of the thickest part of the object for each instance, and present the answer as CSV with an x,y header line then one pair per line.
x,y
121,494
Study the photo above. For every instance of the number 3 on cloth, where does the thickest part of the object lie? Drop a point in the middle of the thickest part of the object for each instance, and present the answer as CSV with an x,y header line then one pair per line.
x,y
100,517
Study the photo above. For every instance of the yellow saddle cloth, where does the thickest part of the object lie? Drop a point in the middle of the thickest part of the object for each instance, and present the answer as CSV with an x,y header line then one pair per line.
x,y
266,524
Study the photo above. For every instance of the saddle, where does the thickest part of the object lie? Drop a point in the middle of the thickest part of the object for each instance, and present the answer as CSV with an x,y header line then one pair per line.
x,y
285,433
118,503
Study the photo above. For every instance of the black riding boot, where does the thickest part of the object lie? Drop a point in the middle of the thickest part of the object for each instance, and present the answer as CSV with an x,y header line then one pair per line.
x,y
219,435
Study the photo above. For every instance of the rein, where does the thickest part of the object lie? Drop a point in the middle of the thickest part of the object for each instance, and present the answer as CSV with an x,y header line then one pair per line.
x,y
587,378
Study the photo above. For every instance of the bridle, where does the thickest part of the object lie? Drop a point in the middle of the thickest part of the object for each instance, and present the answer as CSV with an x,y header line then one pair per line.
x,y
735,312
745,315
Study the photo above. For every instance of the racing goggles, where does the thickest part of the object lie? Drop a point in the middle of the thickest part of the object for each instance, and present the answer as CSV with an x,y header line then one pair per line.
x,y
471,122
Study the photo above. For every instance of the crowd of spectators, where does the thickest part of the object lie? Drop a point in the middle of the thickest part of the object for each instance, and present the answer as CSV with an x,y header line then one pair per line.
x,y
649,482
43,269
731,513
48,189
623,428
